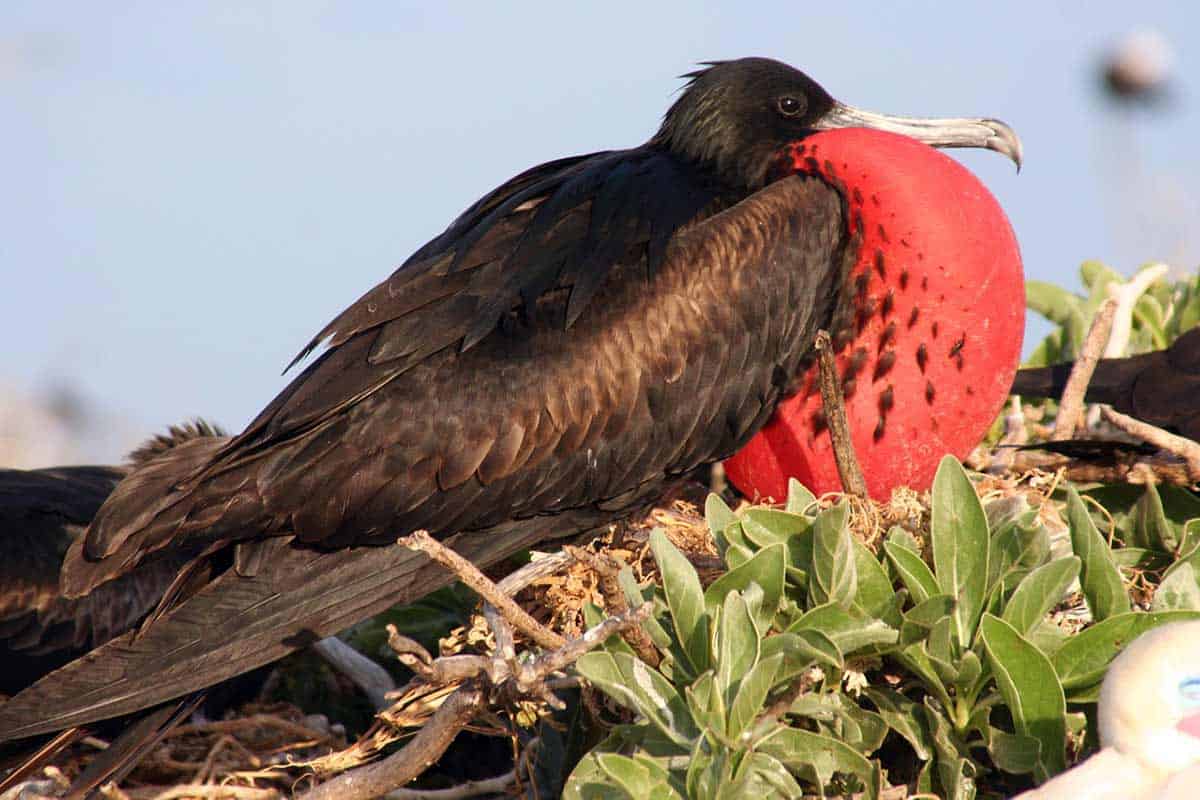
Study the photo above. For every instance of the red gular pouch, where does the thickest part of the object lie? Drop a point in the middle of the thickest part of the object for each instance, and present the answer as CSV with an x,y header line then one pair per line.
x,y
928,331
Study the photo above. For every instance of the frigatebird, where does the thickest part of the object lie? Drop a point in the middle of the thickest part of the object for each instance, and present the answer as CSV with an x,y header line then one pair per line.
x,y
1161,387
42,512
556,360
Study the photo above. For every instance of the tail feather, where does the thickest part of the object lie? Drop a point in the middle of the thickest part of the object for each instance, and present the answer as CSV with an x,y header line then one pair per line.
x,y
237,623
1112,383
127,528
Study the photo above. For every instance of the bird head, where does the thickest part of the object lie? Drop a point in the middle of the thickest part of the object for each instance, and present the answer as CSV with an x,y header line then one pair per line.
x,y
738,118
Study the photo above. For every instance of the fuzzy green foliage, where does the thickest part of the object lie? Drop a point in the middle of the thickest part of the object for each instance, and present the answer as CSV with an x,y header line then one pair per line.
x,y
991,686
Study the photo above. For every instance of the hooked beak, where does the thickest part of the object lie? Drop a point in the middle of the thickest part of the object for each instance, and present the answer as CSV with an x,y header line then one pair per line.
x,y
991,134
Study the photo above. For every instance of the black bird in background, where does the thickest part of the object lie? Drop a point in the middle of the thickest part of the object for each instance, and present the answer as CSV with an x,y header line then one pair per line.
x,y
558,359
42,512
1161,388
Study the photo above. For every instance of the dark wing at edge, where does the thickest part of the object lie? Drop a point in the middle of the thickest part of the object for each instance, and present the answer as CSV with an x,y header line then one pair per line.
x,y
238,623
565,225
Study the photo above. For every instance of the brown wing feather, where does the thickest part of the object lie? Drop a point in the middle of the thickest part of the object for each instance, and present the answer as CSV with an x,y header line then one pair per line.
x,y
536,418
581,427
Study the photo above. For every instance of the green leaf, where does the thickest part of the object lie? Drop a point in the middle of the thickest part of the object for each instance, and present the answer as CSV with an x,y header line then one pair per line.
x,y
954,768
737,643
1099,576
717,514
751,694
849,631
766,526
959,534
1154,529
1084,657
1014,752
1062,308
1031,691
800,499
833,577
899,714
684,599
633,684
825,755
913,571
706,702
766,570
875,596
920,619
1178,590
1039,592
637,777
801,650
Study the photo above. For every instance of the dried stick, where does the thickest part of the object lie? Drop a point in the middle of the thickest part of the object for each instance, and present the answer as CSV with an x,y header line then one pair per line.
x,y
1070,406
373,679
834,403
541,567
1181,446
426,747
497,785
607,567
215,791
469,574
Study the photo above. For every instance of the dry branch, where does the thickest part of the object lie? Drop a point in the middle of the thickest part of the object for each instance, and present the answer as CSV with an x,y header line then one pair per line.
x,y
1070,406
1181,446
834,404
469,574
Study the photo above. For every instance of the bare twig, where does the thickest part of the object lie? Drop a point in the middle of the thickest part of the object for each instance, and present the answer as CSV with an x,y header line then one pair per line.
x,y
497,785
834,404
469,574
373,679
541,567
217,792
1070,406
373,780
607,567
1183,447
1136,471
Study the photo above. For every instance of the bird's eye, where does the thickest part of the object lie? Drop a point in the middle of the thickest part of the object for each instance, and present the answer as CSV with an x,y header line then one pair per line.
x,y
790,106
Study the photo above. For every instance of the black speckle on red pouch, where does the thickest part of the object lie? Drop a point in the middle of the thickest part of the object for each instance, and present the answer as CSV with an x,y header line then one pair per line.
x,y
884,365
883,234
903,279
922,357
887,399
887,336
879,265
861,282
929,393
913,316
877,434
934,329
889,303
858,360
858,198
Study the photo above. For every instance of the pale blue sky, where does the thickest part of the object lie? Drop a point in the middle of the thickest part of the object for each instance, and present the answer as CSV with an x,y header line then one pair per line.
x,y
192,189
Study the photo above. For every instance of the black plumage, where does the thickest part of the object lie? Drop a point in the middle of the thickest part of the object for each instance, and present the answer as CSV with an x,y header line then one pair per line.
x,y
1161,388
558,359
42,512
